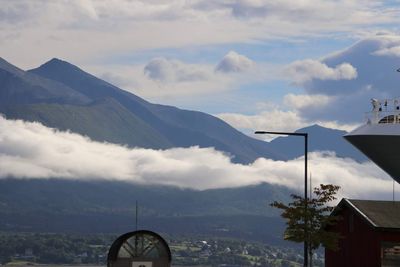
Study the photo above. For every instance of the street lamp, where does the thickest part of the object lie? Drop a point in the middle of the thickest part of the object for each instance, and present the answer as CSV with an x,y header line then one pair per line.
x,y
305,135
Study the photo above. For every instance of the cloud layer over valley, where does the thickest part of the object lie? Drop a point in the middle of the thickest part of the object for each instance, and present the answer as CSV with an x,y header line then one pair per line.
x,y
31,150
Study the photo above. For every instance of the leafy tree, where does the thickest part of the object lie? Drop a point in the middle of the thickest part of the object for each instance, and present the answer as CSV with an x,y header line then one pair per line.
x,y
317,216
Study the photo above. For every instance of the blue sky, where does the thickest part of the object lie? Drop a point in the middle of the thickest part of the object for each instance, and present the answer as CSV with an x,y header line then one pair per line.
x,y
253,63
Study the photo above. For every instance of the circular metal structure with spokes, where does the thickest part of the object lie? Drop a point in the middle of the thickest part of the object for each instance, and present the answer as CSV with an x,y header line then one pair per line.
x,y
139,249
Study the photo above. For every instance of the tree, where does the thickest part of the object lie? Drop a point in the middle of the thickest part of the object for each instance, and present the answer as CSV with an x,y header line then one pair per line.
x,y
317,216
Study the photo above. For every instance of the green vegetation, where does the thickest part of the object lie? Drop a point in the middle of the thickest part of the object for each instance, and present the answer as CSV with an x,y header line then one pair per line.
x,y
311,224
207,251
103,120
55,249
60,206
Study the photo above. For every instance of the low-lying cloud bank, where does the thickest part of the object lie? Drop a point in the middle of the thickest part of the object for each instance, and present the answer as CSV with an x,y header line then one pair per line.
x,y
31,150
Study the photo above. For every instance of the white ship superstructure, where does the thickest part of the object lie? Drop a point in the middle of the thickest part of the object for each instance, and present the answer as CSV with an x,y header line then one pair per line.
x,y
379,138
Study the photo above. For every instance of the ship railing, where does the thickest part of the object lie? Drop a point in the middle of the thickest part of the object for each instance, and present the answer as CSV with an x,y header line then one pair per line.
x,y
383,117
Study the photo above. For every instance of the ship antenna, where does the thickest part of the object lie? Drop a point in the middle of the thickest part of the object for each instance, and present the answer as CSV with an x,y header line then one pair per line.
x,y
393,191
310,186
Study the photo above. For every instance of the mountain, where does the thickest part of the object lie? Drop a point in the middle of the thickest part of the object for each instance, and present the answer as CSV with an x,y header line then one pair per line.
x,y
19,87
319,139
59,205
60,95
24,196
102,120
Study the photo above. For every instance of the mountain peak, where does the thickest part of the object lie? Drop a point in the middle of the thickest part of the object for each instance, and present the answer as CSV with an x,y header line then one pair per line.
x,y
55,60
317,128
62,71
7,66
58,64
76,78
2,60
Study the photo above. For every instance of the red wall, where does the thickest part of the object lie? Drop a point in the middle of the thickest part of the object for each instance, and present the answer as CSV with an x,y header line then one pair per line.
x,y
360,247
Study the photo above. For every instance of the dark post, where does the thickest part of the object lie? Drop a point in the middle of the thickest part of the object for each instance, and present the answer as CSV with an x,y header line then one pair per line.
x,y
306,200
305,135
136,218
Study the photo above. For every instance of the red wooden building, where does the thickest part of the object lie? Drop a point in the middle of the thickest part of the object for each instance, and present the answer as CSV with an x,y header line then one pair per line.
x,y
370,233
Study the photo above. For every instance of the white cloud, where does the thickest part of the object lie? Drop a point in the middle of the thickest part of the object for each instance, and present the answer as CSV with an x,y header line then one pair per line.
x,y
375,60
309,107
106,28
163,78
244,9
31,150
277,120
274,120
234,62
299,102
388,51
373,70
303,71
93,28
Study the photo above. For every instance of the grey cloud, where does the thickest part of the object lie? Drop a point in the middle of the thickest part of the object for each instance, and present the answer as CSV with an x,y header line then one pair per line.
x,y
234,62
246,9
288,10
165,70
160,69
83,11
83,23
172,70
18,11
31,150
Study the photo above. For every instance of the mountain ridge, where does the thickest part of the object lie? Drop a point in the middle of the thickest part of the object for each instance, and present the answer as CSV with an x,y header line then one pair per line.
x,y
175,124
21,87
72,206
105,112
319,139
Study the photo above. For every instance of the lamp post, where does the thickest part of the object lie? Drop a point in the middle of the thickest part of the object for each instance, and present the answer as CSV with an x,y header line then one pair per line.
x,y
305,135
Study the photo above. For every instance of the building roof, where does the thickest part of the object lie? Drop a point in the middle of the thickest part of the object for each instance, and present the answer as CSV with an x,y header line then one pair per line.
x,y
378,213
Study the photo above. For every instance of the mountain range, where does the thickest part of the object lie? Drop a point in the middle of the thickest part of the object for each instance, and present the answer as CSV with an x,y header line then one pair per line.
x,y
61,95
59,205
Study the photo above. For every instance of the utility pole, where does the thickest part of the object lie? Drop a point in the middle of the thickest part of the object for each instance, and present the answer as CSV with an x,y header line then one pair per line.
x,y
305,135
